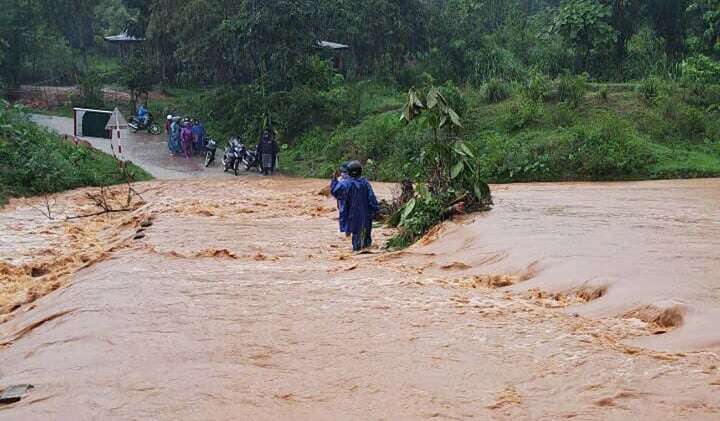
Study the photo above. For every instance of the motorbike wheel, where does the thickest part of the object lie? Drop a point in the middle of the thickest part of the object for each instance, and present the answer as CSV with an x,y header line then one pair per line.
x,y
155,129
236,167
133,129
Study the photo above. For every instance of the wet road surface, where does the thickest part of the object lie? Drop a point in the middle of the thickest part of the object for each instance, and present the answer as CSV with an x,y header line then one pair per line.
x,y
242,302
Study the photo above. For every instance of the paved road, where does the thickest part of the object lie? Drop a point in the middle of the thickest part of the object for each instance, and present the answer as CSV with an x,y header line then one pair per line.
x,y
149,152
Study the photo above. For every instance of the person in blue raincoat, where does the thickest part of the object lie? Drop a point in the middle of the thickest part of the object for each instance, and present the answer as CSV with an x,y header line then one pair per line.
x,y
360,205
174,138
198,131
342,177
143,115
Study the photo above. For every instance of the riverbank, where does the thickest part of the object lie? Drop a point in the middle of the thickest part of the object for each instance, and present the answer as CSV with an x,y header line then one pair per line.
x,y
244,300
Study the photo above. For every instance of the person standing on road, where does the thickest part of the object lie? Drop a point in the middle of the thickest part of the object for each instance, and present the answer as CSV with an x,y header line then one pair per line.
x,y
174,139
187,138
360,203
198,135
267,151
340,177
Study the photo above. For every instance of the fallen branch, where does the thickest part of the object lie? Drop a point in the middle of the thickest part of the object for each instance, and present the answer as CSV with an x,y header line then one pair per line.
x,y
103,212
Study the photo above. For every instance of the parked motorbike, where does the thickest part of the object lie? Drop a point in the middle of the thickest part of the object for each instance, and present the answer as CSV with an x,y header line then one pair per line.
x,y
233,156
152,127
251,161
210,148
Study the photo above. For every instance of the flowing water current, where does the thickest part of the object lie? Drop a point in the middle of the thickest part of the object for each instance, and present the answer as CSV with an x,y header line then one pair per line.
x,y
236,298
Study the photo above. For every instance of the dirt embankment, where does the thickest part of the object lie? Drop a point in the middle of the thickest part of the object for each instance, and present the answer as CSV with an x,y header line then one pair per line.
x,y
221,299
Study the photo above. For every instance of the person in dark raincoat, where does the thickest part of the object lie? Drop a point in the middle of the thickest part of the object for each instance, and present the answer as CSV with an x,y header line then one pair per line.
x,y
360,205
267,152
339,178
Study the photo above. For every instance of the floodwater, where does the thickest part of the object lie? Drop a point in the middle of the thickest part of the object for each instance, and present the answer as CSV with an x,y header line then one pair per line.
x,y
239,300
638,244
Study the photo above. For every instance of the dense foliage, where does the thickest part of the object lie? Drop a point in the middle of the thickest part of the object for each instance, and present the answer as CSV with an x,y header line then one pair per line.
x,y
34,161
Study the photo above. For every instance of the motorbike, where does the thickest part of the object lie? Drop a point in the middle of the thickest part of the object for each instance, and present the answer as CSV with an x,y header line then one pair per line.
x,y
251,161
210,148
233,156
152,127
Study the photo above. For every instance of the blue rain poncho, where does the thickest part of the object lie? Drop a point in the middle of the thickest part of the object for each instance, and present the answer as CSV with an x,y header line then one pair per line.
x,y
359,204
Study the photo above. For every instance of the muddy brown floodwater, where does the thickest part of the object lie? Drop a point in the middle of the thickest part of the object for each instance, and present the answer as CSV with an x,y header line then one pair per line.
x,y
239,300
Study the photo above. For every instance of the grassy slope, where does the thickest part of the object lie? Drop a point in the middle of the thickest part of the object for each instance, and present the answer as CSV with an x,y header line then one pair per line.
x,y
677,139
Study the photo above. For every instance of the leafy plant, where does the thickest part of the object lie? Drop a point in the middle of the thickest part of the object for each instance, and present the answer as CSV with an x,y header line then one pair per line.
x,y
538,87
572,89
522,114
497,90
649,90
604,94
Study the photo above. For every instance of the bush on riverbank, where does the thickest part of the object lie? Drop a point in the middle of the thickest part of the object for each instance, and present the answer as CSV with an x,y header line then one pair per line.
x,y
35,161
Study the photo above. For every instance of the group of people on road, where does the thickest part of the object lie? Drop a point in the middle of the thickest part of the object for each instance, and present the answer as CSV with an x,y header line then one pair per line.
x,y
185,135
357,204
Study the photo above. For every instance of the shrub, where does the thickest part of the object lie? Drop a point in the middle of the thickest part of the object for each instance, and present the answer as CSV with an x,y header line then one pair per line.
x,y
604,94
571,90
537,87
521,114
562,116
700,69
605,148
649,90
497,90
90,93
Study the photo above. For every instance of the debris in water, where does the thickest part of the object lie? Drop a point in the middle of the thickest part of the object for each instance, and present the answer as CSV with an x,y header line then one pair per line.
x,y
14,393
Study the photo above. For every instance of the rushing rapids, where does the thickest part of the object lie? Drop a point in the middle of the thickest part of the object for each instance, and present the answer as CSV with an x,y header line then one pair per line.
x,y
227,299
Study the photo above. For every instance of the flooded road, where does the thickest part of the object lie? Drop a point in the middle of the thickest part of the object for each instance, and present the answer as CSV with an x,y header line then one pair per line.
x,y
238,299
645,249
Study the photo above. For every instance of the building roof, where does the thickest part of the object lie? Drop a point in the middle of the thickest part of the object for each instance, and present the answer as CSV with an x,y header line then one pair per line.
x,y
332,45
124,37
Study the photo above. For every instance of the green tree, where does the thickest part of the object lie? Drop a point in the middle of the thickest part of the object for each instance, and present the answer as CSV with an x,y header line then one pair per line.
x,y
584,26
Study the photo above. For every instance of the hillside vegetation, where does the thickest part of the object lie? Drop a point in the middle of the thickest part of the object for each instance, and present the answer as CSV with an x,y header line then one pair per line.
x,y
605,133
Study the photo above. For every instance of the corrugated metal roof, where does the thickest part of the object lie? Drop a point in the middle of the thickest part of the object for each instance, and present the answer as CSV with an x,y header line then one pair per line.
x,y
124,37
332,45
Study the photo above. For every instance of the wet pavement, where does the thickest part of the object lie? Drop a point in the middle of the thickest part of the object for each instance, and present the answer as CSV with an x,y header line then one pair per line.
x,y
241,301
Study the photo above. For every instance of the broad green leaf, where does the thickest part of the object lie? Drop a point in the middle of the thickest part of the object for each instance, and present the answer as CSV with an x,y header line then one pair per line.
x,y
432,99
467,150
409,208
454,117
457,169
